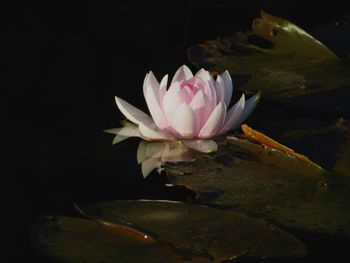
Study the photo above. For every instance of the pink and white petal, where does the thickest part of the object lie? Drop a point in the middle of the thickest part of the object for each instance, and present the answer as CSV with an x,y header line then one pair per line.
x,y
214,122
152,81
198,101
132,113
144,84
182,74
209,91
205,76
171,100
199,145
228,86
220,90
125,131
199,106
162,88
151,133
149,165
249,106
152,100
184,121
233,116
186,95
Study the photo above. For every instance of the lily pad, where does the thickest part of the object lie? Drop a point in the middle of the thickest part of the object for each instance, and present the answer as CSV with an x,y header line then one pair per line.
x,y
218,233
68,239
342,165
290,62
271,184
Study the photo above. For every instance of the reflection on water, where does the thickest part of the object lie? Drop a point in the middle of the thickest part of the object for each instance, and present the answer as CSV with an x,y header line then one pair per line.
x,y
151,155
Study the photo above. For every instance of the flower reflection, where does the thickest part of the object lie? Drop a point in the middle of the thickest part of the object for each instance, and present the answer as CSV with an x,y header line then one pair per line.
x,y
151,155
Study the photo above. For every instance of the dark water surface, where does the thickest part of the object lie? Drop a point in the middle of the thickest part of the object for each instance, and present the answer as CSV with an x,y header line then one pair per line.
x,y
67,64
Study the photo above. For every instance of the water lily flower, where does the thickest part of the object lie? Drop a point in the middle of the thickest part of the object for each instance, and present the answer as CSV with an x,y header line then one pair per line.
x,y
193,109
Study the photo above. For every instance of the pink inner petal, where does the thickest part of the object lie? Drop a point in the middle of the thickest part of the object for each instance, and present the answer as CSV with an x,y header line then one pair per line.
x,y
182,74
186,94
199,106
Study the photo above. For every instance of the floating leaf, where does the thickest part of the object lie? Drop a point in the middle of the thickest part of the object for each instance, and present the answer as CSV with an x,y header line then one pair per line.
x,y
68,239
268,142
270,183
291,62
343,163
199,229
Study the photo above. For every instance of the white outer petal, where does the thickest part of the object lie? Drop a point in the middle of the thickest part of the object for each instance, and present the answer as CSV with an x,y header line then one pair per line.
x,y
233,115
144,84
152,100
162,88
132,113
228,86
214,122
125,131
220,90
149,132
249,106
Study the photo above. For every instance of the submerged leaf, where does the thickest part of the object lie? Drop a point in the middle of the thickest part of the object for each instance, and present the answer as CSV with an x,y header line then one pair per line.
x,y
289,62
201,230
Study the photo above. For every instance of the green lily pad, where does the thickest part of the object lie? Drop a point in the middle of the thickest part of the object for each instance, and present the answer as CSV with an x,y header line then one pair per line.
x,y
199,229
68,239
271,184
290,63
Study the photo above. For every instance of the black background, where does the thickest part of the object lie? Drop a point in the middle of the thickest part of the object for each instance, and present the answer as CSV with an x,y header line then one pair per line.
x,y
65,62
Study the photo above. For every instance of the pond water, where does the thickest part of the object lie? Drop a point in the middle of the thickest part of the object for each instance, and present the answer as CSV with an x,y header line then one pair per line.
x,y
69,162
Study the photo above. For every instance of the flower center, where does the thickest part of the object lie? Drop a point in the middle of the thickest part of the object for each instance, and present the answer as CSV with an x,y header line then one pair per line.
x,y
193,84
